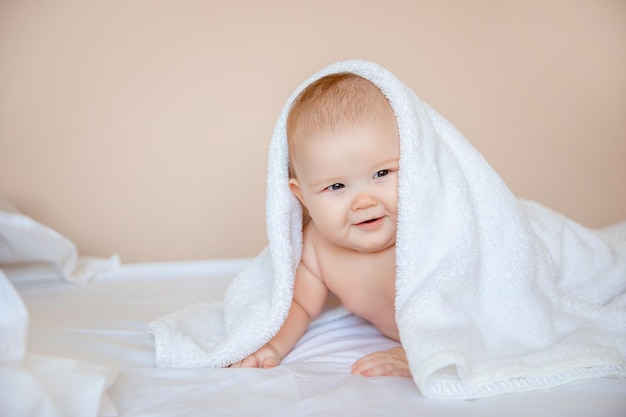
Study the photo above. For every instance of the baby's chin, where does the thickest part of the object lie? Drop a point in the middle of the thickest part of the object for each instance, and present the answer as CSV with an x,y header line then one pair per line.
x,y
373,247
375,241
379,248
361,241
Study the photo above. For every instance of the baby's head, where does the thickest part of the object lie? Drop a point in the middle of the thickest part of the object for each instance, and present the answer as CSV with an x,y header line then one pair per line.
x,y
344,156
334,103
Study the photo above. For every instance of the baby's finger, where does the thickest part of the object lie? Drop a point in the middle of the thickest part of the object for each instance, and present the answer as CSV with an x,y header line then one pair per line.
x,y
381,368
249,362
385,363
368,366
365,364
374,356
371,360
269,363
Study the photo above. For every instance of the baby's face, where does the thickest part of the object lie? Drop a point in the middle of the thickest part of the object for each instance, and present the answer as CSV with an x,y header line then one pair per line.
x,y
348,181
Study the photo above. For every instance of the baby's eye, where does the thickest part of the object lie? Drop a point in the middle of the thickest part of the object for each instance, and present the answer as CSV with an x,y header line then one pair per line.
x,y
334,187
381,173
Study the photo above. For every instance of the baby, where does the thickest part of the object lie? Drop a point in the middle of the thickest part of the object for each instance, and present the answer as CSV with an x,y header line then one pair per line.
x,y
344,154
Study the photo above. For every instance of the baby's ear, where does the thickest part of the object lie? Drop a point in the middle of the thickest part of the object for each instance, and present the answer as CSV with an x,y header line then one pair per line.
x,y
294,186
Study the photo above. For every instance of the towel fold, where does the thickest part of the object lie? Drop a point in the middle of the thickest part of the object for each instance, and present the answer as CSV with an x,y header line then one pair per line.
x,y
493,294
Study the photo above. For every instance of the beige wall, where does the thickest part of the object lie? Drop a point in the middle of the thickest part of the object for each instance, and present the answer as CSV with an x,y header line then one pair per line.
x,y
141,127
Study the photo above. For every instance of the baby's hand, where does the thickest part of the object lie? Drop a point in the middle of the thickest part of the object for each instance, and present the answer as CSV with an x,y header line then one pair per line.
x,y
390,362
266,357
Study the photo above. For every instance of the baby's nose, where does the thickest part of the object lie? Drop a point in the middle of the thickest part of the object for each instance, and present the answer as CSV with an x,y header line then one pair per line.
x,y
363,200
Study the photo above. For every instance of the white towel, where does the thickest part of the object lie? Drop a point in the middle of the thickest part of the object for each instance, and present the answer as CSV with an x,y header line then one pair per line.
x,y
493,294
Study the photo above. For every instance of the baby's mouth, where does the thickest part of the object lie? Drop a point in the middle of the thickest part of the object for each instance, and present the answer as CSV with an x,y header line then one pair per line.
x,y
370,224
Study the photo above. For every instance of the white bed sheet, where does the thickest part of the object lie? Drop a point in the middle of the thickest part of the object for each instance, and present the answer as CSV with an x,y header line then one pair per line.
x,y
104,323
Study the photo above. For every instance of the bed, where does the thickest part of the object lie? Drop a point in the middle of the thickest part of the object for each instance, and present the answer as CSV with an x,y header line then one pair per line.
x,y
102,324
74,343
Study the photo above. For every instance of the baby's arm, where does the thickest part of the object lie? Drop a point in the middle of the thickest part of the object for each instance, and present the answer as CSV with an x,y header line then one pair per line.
x,y
392,362
309,296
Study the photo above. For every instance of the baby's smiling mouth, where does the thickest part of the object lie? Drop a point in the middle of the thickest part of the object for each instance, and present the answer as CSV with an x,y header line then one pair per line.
x,y
370,224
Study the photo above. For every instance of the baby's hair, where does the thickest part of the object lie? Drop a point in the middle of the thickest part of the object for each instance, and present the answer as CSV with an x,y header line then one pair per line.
x,y
335,102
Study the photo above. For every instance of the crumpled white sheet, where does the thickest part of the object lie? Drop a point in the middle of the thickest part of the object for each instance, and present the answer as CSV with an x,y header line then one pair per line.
x,y
40,385
30,250
44,386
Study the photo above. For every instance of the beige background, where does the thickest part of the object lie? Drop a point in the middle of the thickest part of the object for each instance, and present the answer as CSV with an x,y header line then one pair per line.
x,y
142,127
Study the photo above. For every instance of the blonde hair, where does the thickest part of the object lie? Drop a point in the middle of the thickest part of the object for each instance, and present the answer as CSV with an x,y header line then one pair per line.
x,y
335,102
